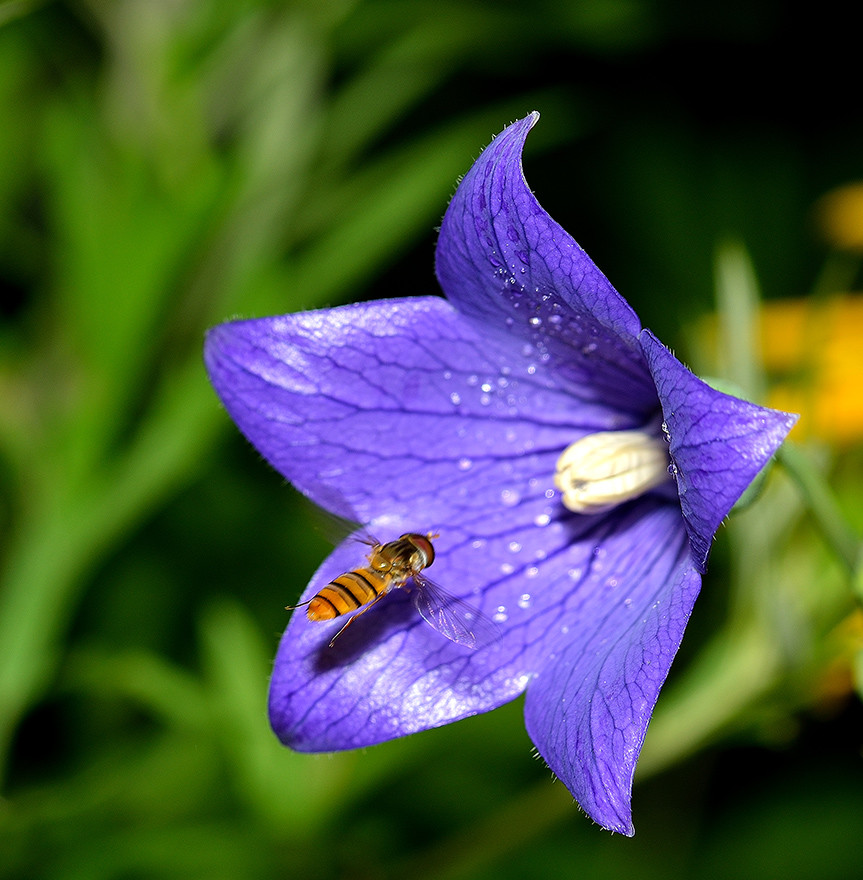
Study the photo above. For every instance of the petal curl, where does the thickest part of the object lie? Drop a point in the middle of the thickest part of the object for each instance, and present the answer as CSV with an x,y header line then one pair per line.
x,y
588,708
718,443
503,262
394,407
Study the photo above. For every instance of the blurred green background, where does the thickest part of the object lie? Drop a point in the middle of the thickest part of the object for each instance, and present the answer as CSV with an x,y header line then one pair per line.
x,y
167,164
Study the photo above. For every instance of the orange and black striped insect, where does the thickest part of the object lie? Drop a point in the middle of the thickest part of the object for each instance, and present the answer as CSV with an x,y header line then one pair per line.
x,y
396,565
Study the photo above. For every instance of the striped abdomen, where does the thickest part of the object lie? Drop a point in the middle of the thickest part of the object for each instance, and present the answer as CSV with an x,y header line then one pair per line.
x,y
348,592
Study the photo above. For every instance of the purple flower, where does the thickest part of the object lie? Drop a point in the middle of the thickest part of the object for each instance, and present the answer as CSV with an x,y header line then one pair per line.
x,y
575,470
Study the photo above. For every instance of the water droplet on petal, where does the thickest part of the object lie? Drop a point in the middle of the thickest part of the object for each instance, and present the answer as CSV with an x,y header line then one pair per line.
x,y
455,397
514,547
510,497
542,519
465,464
524,600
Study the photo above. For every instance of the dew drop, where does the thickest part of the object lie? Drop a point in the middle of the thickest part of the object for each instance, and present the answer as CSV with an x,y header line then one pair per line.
x,y
465,464
478,543
484,399
486,386
524,600
532,572
542,520
510,497
455,397
507,568
514,547
500,616
535,321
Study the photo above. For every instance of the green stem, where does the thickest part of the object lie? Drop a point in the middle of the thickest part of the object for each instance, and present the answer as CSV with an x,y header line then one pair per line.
x,y
822,505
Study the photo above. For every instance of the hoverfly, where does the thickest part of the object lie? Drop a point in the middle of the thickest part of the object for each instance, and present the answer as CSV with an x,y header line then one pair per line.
x,y
390,567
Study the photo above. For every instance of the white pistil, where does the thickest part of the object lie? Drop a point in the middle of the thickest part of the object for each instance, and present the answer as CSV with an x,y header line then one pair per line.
x,y
602,470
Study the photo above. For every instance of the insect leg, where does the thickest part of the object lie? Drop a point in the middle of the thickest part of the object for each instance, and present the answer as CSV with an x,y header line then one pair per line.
x,y
351,619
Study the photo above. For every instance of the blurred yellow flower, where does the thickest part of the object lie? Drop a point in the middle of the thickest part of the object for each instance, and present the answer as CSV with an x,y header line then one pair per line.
x,y
813,356
839,215
837,677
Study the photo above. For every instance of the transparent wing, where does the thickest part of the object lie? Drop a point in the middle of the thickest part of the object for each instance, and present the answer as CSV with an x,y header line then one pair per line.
x,y
458,621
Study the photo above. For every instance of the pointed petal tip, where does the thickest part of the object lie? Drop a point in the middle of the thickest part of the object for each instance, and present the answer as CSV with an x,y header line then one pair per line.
x,y
718,443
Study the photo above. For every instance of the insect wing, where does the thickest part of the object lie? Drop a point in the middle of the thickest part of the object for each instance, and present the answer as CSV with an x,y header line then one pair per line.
x,y
458,621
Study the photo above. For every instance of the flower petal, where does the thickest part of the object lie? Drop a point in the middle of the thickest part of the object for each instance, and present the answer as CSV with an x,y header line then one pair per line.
x,y
587,709
718,443
544,576
397,407
503,262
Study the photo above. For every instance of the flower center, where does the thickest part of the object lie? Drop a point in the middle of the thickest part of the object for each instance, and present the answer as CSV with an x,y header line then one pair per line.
x,y
602,470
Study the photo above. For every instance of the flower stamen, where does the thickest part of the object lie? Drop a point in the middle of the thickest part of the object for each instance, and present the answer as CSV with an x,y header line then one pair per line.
x,y
602,470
